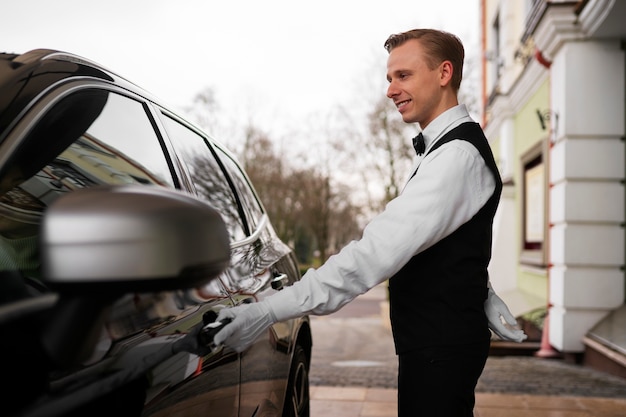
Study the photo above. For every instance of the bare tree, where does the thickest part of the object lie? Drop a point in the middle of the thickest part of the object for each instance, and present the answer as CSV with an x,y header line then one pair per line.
x,y
469,94
388,145
204,109
301,201
266,169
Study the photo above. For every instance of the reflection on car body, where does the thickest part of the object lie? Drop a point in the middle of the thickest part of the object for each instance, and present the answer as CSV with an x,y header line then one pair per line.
x,y
104,287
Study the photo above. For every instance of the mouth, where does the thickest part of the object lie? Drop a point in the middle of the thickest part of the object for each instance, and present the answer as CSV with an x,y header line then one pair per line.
x,y
401,104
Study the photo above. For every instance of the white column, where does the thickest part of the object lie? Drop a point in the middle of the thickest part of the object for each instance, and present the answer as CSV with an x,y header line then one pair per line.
x,y
504,259
587,194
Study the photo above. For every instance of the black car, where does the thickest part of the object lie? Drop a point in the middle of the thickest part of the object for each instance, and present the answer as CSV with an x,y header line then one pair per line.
x,y
123,230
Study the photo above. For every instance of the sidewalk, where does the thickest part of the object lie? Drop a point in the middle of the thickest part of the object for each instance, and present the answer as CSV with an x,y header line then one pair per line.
x,y
354,374
381,402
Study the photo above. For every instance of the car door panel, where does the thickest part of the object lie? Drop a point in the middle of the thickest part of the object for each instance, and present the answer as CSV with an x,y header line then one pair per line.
x,y
265,366
102,136
257,258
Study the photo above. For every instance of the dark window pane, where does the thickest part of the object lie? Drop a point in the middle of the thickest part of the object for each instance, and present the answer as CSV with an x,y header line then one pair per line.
x,y
207,175
88,138
251,206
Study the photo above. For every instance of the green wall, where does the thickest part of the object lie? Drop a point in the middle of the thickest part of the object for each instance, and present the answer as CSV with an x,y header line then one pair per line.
x,y
528,133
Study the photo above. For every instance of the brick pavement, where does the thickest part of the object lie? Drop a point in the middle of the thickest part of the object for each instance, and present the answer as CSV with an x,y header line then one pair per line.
x,y
353,348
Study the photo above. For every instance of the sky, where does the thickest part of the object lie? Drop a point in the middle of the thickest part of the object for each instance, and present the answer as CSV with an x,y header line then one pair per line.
x,y
276,61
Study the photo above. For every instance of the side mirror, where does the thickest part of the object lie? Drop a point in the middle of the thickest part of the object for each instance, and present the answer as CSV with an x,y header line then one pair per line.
x,y
132,239
100,243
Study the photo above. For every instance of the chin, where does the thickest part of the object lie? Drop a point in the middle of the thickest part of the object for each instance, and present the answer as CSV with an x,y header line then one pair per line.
x,y
408,119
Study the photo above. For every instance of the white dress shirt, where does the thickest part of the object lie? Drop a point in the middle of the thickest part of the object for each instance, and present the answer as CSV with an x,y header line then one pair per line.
x,y
450,187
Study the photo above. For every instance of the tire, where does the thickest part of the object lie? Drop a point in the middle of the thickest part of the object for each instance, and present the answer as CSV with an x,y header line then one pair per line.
x,y
297,400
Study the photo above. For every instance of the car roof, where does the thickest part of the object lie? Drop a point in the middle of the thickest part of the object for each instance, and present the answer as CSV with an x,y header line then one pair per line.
x,y
23,77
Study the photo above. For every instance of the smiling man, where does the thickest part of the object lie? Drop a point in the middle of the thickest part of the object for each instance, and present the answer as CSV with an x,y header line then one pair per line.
x,y
457,186
433,243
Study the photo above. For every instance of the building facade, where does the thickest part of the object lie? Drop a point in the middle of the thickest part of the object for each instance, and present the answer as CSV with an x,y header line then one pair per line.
x,y
554,110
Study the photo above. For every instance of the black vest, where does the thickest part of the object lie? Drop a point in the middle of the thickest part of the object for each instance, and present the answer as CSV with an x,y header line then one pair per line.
x,y
438,297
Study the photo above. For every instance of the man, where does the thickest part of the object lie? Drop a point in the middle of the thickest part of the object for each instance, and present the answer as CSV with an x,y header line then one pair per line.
x,y
433,243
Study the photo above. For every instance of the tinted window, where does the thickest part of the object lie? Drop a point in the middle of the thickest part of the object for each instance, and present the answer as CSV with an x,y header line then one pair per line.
x,y
207,176
88,138
125,137
251,205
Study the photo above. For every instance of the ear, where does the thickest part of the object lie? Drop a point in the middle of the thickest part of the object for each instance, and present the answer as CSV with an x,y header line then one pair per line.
x,y
445,73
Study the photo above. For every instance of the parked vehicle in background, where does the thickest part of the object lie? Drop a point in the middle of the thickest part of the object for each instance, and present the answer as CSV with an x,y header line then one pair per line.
x,y
123,230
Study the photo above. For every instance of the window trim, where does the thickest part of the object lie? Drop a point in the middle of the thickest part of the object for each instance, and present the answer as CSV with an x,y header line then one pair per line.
x,y
531,159
254,236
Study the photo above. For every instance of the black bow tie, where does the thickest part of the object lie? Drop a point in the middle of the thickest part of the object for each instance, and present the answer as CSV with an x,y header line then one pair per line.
x,y
418,144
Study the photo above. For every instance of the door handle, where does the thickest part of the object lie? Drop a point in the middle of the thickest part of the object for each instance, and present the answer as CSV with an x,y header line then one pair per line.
x,y
279,281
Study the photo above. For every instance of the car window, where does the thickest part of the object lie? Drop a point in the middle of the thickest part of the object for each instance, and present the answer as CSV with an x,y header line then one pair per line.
x,y
127,140
250,203
89,137
207,176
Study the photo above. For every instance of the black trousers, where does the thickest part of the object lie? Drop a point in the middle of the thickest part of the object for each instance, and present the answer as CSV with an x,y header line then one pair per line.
x,y
440,381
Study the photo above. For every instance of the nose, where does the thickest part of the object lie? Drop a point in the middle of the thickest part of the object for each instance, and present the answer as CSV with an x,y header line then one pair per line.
x,y
391,90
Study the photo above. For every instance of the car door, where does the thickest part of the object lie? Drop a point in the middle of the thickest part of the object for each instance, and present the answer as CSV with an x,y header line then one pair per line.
x,y
260,264
266,365
84,134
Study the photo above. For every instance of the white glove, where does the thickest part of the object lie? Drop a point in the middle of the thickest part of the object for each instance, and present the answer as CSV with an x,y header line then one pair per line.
x,y
496,309
249,321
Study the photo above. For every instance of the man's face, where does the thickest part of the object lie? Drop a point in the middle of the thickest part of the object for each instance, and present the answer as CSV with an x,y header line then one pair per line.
x,y
415,89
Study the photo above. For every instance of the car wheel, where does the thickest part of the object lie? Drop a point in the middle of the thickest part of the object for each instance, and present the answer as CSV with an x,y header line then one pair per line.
x,y
297,399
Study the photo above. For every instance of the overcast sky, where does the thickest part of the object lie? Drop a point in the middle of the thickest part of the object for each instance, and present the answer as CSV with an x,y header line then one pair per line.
x,y
285,59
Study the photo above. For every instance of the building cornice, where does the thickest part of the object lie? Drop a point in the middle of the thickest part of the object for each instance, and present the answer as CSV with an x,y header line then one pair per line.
x,y
578,21
592,14
507,105
549,26
559,25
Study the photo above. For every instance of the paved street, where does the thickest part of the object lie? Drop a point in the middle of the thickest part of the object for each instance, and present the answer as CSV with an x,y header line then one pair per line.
x,y
353,348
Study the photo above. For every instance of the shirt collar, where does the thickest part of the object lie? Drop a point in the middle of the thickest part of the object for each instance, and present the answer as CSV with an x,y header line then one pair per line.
x,y
445,122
